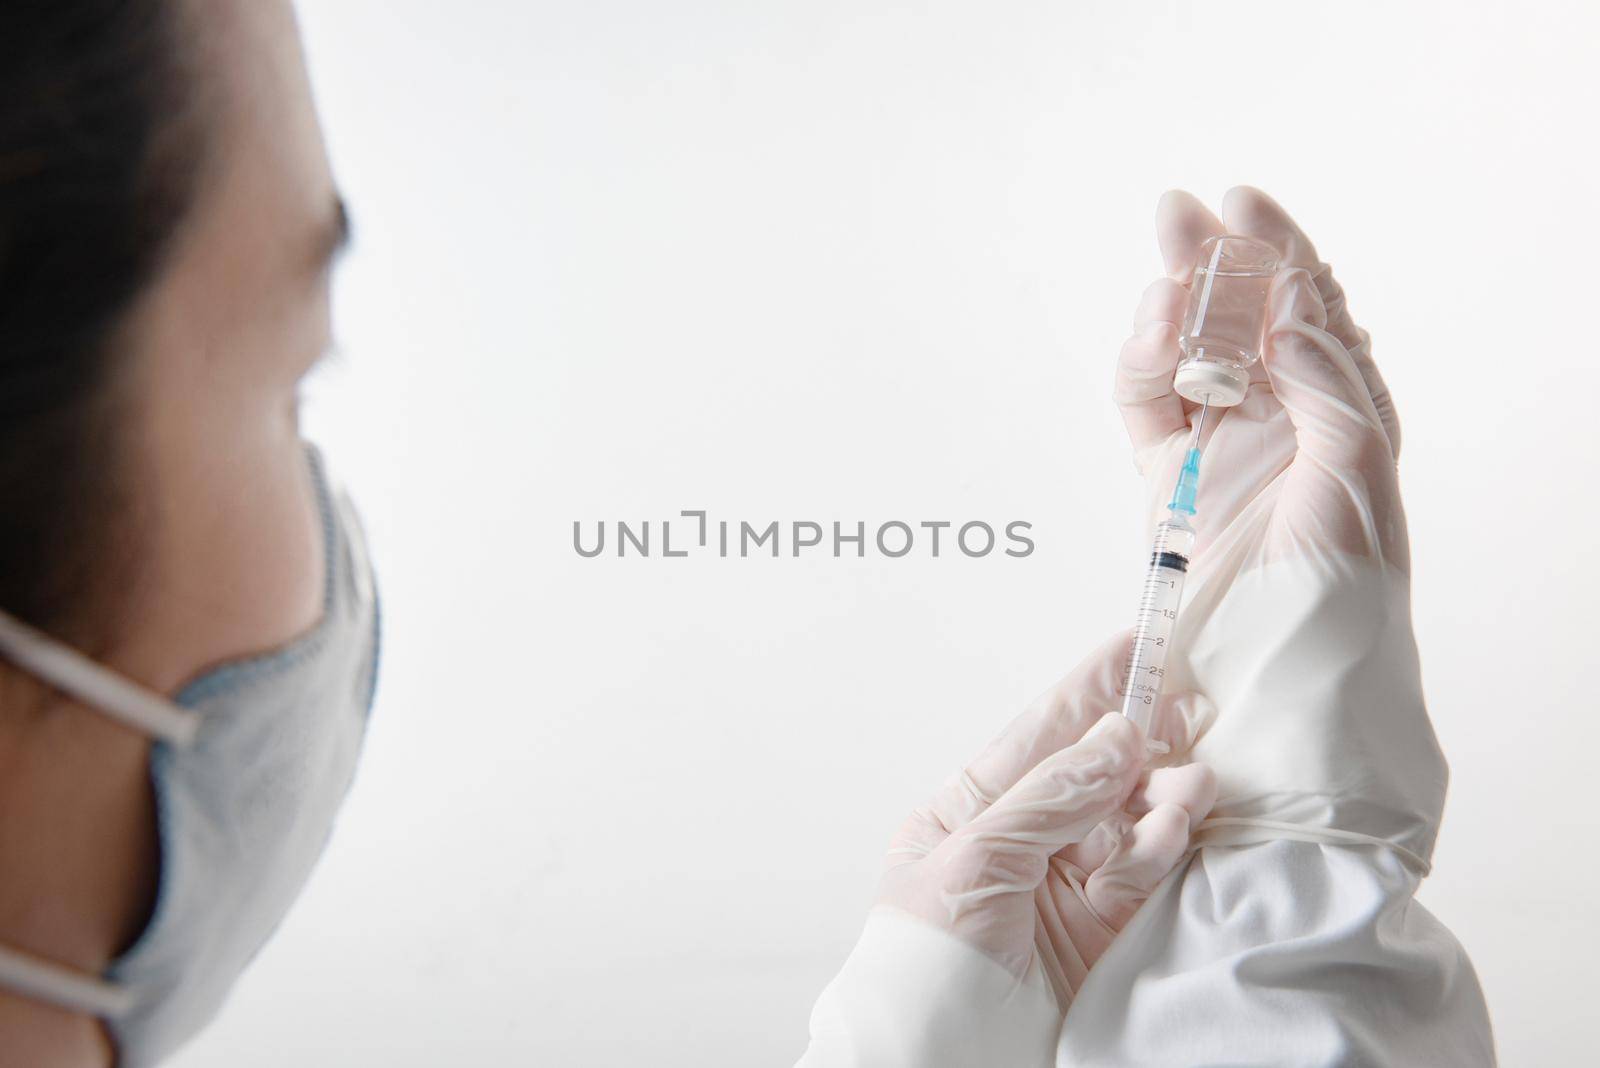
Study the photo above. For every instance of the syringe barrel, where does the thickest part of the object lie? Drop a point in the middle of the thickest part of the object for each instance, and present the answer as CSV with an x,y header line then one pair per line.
x,y
1146,667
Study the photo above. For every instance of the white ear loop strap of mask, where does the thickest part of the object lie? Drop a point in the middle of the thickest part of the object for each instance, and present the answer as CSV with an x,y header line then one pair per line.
x,y
61,986
109,693
99,687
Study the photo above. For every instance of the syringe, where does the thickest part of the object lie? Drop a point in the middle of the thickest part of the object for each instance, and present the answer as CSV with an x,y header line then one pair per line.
x,y
1163,590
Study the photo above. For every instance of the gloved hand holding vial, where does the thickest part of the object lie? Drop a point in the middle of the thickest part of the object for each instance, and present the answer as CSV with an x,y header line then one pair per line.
x,y
1286,932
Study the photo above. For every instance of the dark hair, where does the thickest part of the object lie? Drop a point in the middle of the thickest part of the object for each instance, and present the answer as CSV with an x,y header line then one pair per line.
x,y
98,166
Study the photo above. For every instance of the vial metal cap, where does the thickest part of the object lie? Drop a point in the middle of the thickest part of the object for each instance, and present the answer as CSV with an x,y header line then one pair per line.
x,y
1209,382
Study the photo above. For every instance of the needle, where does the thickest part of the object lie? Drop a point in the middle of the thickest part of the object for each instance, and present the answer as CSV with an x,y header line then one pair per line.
x,y
1200,424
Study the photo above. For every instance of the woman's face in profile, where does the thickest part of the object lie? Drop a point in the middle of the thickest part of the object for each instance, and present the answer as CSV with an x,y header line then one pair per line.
x,y
227,552
202,530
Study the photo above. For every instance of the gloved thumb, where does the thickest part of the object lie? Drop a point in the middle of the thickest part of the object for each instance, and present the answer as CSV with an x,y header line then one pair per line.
x,y
1007,849
1316,380
1143,857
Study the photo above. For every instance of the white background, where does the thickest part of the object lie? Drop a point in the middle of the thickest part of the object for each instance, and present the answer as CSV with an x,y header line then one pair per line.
x,y
871,261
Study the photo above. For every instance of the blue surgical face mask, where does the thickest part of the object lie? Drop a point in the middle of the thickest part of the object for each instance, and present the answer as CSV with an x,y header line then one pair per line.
x,y
249,765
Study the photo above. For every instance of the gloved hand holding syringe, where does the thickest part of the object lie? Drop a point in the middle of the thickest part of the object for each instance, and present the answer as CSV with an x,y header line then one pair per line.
x,y
1300,747
1221,339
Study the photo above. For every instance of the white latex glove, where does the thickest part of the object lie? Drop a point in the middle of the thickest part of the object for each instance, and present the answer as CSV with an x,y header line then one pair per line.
x,y
1317,411
1001,892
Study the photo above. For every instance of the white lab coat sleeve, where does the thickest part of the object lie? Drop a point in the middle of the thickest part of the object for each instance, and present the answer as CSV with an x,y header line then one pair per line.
x,y
1281,954
1291,936
913,996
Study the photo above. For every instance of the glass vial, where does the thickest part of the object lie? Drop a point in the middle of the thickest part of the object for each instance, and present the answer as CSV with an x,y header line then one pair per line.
x,y
1221,336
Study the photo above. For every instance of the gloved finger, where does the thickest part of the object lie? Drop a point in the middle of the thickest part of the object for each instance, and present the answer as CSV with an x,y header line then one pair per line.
x,y
918,836
1252,213
1053,721
1008,847
1098,844
1192,787
1163,301
1179,719
1183,224
1316,380
1151,410
1149,851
